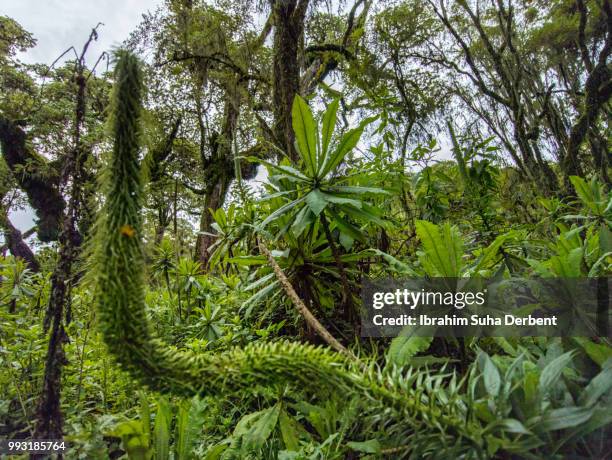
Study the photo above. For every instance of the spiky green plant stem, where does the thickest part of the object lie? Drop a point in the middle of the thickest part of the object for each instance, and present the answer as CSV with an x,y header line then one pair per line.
x,y
118,270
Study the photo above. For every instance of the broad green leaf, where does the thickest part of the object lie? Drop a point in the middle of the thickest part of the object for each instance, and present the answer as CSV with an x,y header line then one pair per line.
x,y
512,425
261,429
552,372
584,192
162,430
342,200
286,171
364,214
368,447
329,124
259,282
215,452
559,419
145,414
346,241
357,190
247,260
276,195
396,265
188,427
135,443
289,431
599,386
568,265
443,248
259,296
491,254
605,239
316,201
305,131
347,143
346,227
281,211
598,352
303,219
490,375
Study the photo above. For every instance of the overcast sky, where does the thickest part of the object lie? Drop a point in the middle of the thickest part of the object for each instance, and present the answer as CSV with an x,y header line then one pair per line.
x,y
59,24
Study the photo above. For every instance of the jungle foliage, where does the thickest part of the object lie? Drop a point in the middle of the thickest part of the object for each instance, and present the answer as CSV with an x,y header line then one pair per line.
x,y
212,196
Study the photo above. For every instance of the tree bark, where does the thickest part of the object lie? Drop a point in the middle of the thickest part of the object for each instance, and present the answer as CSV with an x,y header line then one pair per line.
x,y
289,18
35,177
16,245
219,172
49,424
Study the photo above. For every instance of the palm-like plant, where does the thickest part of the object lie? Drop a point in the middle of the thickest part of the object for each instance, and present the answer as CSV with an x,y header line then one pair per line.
x,y
163,261
314,191
187,272
16,282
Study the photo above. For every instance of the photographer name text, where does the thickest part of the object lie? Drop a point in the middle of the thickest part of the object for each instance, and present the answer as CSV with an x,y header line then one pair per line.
x,y
454,320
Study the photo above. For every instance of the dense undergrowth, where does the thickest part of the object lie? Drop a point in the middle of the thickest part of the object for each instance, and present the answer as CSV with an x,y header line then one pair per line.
x,y
218,363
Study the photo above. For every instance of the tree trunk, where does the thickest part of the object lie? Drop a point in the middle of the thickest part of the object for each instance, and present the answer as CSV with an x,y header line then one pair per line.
x,y
289,27
18,247
219,172
42,189
213,200
49,424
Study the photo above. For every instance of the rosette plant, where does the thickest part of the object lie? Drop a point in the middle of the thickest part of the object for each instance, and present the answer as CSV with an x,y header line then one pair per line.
x,y
316,191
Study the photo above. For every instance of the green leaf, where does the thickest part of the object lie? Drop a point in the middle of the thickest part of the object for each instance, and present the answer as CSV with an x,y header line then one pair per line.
x,y
281,211
189,424
598,352
356,189
145,414
512,425
247,260
289,431
329,124
605,239
443,248
346,144
259,282
490,375
286,171
215,452
346,227
395,265
599,386
560,419
368,447
303,219
261,429
316,201
346,241
491,254
552,372
342,200
364,215
305,131
162,430
403,348
259,296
